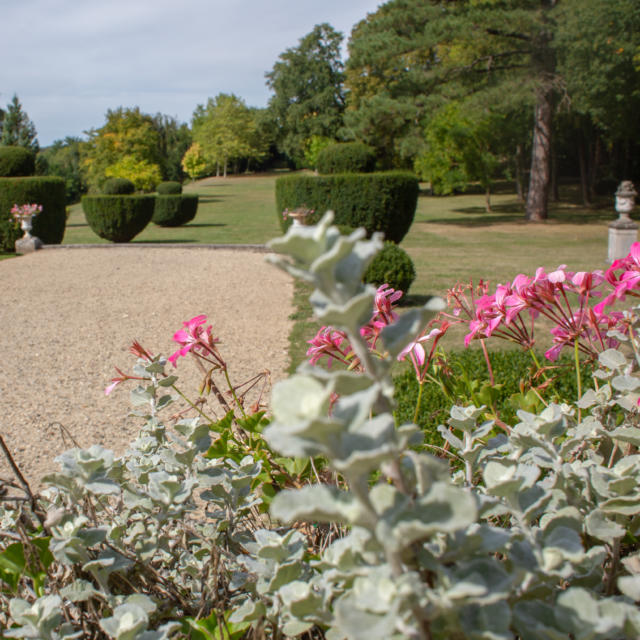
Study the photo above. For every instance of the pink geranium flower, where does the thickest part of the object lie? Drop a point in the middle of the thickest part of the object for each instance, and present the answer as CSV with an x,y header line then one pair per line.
x,y
194,337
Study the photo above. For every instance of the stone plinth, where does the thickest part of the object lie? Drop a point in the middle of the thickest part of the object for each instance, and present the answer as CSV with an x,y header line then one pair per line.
x,y
623,232
28,244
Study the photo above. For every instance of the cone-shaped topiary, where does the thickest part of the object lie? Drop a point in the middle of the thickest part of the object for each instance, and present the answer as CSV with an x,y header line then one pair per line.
x,y
118,218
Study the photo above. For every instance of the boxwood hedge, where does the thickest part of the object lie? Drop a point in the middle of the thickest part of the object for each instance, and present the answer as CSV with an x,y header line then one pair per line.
x,y
118,218
49,224
393,266
384,201
16,161
346,157
174,210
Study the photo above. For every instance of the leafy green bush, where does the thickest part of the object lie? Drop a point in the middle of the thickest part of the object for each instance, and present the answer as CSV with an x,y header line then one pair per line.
x,y
169,188
118,187
49,224
383,201
392,266
463,374
16,161
174,210
346,157
116,217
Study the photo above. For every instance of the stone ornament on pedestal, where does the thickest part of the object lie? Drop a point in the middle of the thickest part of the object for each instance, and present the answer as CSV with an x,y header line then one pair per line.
x,y
623,232
24,215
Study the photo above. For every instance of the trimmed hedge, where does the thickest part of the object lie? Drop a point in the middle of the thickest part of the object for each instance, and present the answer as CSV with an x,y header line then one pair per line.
x,y
384,201
49,224
169,188
174,210
118,218
392,266
346,157
16,161
118,187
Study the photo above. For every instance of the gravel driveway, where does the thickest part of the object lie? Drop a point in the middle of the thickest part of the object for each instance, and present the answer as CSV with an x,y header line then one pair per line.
x,y
68,316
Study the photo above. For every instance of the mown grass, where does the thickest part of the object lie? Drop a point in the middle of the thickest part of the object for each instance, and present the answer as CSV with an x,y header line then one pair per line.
x,y
452,238
235,210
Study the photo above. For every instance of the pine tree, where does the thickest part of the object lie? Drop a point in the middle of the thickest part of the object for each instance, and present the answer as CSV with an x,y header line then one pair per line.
x,y
17,128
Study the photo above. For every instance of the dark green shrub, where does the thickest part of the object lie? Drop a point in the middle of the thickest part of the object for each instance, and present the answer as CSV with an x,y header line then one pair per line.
x,y
49,224
468,370
118,187
383,201
16,161
169,188
346,157
118,218
174,211
392,266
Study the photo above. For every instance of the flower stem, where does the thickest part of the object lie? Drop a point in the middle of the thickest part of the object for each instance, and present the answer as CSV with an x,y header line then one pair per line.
x,y
191,404
576,355
418,403
488,361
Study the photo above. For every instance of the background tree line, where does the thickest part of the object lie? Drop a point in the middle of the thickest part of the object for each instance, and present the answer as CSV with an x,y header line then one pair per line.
x,y
460,91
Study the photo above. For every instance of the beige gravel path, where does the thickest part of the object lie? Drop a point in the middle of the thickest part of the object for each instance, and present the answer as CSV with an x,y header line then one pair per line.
x,y
68,316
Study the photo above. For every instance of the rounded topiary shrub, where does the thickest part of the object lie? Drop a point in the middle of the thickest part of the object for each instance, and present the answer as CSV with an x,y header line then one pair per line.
x,y
392,266
169,188
118,218
346,157
49,224
384,201
16,161
174,210
118,187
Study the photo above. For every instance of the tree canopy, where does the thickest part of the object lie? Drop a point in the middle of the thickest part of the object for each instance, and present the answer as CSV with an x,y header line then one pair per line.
x,y
308,99
17,128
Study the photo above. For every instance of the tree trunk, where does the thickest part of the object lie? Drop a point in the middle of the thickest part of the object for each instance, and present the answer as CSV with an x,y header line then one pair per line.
x,y
519,174
224,175
217,168
487,200
538,195
555,194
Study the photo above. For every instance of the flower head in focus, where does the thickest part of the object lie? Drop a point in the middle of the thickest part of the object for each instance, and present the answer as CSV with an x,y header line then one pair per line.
x,y
194,337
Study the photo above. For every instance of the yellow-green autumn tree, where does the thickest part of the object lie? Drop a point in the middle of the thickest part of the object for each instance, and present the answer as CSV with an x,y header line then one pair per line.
x,y
127,146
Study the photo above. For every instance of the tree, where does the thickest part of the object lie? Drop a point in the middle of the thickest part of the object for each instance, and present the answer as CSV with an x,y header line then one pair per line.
x,y
226,130
127,133
63,158
308,99
194,163
389,81
17,128
460,148
174,139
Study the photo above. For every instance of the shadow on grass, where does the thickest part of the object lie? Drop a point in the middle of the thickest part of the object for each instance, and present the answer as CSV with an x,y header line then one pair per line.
x,y
559,212
209,199
203,225
77,224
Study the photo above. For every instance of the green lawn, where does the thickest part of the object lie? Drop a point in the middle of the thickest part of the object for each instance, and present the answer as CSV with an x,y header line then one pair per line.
x,y
236,210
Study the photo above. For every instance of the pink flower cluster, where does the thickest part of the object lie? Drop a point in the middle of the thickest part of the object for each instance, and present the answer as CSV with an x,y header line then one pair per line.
x,y
197,338
574,302
335,345
25,211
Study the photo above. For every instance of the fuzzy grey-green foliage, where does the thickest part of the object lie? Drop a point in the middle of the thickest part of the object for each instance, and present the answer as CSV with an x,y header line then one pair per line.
x,y
533,536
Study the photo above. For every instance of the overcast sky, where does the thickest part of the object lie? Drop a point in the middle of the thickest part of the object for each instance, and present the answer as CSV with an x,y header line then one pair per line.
x,y
71,60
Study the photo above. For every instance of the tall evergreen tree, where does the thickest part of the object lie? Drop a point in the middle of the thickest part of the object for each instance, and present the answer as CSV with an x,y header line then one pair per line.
x,y
17,128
